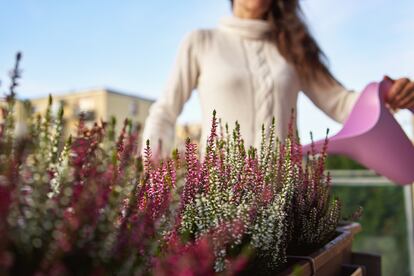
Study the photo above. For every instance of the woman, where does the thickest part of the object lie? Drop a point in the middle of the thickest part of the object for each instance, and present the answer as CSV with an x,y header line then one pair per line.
x,y
250,69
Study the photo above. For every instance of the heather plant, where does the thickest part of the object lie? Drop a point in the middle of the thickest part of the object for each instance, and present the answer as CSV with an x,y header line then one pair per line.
x,y
314,214
231,183
91,204
279,202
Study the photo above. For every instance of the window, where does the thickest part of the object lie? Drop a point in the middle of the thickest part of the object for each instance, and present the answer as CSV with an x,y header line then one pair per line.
x,y
86,108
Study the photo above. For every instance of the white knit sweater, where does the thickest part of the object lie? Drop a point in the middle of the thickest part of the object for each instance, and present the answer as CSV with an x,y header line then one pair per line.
x,y
238,71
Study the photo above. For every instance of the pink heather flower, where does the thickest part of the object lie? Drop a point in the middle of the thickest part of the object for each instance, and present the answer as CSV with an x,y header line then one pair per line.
x,y
192,181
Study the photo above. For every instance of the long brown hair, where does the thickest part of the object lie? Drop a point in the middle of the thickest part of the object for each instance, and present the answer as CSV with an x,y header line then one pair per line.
x,y
295,42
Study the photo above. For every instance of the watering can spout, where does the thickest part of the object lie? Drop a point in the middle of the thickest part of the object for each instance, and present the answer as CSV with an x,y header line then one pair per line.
x,y
372,137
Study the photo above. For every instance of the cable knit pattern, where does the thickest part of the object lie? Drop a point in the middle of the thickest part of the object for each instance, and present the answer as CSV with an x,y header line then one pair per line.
x,y
239,72
262,83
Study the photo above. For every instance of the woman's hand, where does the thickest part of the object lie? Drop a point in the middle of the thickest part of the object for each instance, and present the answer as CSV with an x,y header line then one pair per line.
x,y
401,94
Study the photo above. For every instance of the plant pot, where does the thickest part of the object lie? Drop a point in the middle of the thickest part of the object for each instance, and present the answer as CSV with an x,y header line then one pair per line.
x,y
329,260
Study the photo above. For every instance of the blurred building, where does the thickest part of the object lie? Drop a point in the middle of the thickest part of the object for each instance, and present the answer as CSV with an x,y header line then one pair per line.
x,y
20,114
184,131
95,105
192,131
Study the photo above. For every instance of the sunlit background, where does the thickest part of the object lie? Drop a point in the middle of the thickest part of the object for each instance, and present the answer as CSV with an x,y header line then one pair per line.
x,y
130,46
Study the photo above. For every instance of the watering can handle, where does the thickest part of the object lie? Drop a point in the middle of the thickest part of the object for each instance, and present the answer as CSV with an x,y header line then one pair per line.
x,y
387,85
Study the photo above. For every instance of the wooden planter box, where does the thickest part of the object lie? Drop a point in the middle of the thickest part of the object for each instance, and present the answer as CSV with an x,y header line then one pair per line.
x,y
335,258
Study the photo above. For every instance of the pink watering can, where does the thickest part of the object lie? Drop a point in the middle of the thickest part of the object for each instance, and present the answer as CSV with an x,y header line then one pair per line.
x,y
372,137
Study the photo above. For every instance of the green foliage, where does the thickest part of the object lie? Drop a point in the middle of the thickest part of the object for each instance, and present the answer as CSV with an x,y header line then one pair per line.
x,y
340,162
384,224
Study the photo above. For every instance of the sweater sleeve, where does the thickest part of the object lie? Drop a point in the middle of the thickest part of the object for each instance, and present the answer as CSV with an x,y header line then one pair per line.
x,y
333,99
160,123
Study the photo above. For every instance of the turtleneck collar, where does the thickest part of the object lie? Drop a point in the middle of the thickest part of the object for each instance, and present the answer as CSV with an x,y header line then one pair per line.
x,y
248,28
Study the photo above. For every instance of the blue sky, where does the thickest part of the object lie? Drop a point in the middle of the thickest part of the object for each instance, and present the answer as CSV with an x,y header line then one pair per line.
x,y
131,45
